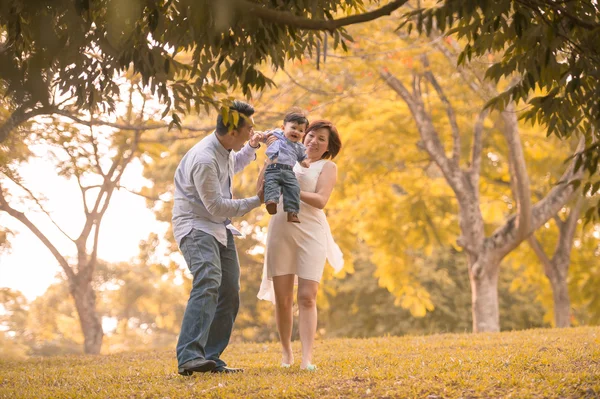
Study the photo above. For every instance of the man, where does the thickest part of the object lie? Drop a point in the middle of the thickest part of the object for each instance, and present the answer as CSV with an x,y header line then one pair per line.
x,y
202,207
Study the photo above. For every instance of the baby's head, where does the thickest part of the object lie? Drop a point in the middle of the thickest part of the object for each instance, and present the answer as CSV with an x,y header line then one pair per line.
x,y
294,126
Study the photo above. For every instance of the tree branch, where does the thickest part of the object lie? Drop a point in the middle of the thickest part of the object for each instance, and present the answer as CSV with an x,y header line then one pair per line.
x,y
91,265
566,233
128,127
20,216
427,131
94,144
505,239
449,111
289,19
20,116
518,168
119,187
478,144
539,251
399,88
314,91
481,88
39,204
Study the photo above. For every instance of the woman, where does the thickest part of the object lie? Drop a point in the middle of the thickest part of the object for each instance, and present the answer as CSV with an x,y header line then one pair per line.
x,y
297,251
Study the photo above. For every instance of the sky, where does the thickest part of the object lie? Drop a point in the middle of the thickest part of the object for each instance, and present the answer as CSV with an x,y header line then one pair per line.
x,y
30,267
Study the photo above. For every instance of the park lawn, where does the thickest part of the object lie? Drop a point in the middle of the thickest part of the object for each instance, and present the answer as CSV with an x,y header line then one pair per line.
x,y
525,364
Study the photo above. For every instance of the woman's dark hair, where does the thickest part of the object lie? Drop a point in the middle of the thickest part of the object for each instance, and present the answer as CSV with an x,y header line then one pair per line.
x,y
335,144
239,106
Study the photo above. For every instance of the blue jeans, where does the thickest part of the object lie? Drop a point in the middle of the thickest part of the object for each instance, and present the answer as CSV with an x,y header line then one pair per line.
x,y
281,179
214,299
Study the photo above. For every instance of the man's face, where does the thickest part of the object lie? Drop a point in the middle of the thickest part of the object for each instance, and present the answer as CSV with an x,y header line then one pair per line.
x,y
243,134
294,131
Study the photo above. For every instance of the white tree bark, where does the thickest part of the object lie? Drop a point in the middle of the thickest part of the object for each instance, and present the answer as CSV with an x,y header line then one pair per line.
x,y
485,253
556,268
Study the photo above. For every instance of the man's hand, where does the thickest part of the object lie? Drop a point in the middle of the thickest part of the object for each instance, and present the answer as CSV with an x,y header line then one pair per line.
x,y
305,163
256,139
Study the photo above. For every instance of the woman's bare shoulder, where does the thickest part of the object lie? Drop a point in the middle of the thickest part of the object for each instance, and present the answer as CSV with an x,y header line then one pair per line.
x,y
330,165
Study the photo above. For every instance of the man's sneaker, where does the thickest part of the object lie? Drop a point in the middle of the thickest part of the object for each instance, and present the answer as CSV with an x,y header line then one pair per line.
x,y
196,366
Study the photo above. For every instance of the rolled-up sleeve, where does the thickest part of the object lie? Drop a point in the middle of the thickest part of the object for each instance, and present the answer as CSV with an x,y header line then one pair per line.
x,y
243,157
207,184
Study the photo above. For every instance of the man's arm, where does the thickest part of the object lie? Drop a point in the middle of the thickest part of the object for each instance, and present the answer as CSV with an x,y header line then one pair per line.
x,y
243,157
247,154
208,186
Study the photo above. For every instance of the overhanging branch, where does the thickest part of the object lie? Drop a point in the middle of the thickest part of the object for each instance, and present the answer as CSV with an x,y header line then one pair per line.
x,y
121,126
289,19
20,116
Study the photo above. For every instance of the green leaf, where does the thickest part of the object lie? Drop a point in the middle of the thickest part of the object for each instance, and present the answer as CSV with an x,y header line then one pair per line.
x,y
225,115
236,118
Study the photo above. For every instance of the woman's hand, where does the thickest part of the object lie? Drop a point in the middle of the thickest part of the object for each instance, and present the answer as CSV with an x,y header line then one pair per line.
x,y
270,138
260,183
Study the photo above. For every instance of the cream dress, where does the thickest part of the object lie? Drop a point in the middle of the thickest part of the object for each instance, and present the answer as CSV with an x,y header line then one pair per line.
x,y
299,248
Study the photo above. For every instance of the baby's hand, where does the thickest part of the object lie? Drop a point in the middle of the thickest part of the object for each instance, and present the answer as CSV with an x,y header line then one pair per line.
x,y
305,164
256,139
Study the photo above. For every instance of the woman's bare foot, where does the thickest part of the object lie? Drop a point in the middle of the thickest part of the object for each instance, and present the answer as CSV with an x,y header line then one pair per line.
x,y
287,357
308,366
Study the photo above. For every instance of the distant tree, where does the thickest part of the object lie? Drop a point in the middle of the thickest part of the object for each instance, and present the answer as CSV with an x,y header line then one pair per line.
x,y
94,160
4,243
14,309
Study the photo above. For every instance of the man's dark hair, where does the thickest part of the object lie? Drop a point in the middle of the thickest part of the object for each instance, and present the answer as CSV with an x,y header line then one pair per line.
x,y
239,106
295,116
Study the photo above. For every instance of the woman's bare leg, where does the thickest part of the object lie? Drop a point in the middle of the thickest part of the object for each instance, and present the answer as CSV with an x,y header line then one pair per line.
x,y
284,300
307,320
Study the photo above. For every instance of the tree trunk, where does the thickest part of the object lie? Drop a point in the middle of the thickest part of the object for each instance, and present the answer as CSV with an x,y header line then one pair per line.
x,y
562,303
91,326
484,296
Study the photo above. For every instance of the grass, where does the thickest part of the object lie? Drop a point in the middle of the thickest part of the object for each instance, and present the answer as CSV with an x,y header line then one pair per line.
x,y
526,364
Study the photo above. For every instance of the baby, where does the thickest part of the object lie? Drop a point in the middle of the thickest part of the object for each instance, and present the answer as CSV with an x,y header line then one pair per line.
x,y
283,155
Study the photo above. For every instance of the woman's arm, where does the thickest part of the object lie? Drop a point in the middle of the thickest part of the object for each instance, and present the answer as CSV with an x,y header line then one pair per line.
x,y
325,185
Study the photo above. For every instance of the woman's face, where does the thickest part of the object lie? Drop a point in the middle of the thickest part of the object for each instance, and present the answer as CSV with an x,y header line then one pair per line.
x,y
316,143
